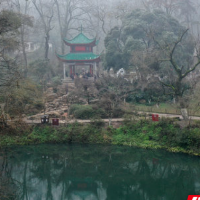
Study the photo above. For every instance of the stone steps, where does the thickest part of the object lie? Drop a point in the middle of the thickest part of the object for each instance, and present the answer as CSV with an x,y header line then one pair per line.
x,y
67,80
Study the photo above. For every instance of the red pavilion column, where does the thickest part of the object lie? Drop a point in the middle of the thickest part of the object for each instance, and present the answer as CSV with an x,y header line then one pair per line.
x,y
97,69
74,69
70,68
91,70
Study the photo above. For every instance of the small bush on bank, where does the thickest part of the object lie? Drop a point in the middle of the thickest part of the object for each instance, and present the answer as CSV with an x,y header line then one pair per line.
x,y
73,108
168,132
100,113
86,112
189,138
97,123
118,113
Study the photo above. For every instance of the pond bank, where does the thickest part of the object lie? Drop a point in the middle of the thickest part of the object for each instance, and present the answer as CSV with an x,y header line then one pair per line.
x,y
145,134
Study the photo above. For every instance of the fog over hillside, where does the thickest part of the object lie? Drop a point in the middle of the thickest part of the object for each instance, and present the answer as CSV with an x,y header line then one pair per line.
x,y
32,34
97,17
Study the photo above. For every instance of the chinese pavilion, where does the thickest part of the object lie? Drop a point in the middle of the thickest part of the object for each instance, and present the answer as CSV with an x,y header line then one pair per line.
x,y
81,54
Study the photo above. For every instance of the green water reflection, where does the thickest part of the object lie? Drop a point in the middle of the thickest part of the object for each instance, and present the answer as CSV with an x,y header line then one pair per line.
x,y
88,172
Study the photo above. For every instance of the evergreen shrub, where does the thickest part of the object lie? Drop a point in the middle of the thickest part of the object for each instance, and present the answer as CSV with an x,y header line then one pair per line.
x,y
118,112
56,81
73,108
86,112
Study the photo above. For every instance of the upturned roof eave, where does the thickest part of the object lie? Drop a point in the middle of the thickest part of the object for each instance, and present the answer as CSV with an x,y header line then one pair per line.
x,y
93,43
69,61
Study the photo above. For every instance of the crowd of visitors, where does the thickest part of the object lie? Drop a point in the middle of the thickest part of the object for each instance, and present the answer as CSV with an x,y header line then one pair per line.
x,y
84,74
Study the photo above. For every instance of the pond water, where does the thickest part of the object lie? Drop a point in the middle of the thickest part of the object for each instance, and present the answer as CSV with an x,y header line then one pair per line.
x,y
94,172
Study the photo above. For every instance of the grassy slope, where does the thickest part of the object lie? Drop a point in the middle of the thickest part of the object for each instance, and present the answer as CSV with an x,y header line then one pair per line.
x,y
145,134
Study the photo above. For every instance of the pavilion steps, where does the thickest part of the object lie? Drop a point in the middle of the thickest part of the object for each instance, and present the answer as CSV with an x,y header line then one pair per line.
x,y
67,80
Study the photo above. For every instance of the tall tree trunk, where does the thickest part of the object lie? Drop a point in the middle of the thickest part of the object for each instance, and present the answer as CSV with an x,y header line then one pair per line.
x,y
183,108
46,21
22,29
24,51
46,46
60,26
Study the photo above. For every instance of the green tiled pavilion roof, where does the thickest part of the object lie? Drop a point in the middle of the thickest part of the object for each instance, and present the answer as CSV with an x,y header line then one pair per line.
x,y
80,39
78,56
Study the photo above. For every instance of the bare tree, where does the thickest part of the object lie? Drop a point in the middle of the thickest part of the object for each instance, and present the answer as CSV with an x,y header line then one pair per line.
x,y
177,86
9,25
26,21
69,13
169,6
112,93
183,10
85,91
46,13
98,14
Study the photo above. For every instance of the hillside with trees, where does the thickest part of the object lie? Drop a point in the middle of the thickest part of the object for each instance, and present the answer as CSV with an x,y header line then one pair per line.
x,y
155,42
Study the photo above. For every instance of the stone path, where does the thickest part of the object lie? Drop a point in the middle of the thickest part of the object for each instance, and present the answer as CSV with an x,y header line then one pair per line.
x,y
148,116
170,115
73,121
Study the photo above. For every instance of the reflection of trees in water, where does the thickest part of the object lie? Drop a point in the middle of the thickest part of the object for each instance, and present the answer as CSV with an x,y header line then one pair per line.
x,y
9,187
43,171
99,172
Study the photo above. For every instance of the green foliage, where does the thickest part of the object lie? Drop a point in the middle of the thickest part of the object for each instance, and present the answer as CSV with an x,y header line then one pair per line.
x,y
189,139
143,133
9,21
56,81
39,68
115,56
118,112
27,93
73,108
137,33
92,112
97,122
85,112
149,94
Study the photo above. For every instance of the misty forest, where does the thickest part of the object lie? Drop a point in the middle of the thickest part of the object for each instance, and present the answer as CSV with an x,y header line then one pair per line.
x,y
91,72
154,43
